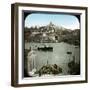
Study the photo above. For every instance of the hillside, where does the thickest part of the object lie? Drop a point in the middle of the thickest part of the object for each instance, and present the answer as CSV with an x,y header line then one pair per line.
x,y
52,34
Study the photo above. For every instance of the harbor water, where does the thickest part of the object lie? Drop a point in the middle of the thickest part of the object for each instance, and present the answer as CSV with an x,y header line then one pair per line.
x,y
58,56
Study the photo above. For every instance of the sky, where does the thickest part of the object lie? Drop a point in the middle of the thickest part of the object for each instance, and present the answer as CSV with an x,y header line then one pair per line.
x,y
64,20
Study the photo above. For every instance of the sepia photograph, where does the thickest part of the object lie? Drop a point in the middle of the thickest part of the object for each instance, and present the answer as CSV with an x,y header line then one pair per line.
x,y
49,44
52,44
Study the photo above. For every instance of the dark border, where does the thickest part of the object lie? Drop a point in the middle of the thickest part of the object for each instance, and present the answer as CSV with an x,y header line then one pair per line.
x,y
28,12
14,44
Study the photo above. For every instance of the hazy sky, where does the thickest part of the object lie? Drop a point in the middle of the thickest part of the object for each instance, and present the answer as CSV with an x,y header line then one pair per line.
x,y
64,20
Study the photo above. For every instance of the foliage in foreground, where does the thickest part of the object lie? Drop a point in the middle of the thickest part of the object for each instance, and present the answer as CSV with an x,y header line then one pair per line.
x,y
49,69
74,68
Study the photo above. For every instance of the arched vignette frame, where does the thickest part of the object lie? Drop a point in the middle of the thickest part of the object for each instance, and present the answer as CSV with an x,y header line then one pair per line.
x,y
26,13
15,48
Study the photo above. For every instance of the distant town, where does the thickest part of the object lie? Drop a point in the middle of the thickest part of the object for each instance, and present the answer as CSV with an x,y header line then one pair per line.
x,y
51,34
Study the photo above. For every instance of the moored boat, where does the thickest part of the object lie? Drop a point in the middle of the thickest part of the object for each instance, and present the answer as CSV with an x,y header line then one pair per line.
x,y
45,48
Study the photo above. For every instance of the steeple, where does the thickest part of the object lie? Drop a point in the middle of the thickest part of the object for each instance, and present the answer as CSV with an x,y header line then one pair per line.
x,y
51,24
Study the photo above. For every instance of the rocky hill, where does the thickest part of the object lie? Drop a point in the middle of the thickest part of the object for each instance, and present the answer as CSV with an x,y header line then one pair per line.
x,y
52,34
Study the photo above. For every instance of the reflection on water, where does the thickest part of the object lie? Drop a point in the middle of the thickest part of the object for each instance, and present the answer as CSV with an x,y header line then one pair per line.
x,y
59,55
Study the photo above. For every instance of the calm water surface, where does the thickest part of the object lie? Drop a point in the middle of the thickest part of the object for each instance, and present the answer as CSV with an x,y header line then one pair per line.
x,y
58,56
